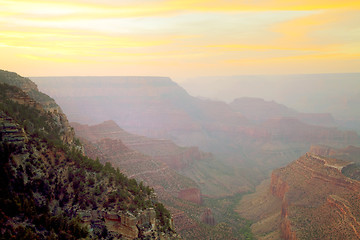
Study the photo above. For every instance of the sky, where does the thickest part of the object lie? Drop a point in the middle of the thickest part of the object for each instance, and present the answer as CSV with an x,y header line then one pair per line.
x,y
179,38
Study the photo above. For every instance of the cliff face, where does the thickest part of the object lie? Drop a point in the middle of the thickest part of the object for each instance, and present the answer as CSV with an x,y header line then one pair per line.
x,y
33,97
350,153
208,217
317,188
317,200
50,189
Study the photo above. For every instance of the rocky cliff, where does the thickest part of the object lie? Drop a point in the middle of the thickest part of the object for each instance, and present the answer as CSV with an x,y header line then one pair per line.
x,y
350,153
50,190
316,200
208,217
168,184
44,103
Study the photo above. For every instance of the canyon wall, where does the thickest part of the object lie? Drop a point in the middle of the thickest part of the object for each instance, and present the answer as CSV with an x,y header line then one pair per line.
x,y
316,199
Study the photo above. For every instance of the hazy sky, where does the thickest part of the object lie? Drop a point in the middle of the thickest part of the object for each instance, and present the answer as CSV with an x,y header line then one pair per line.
x,y
179,38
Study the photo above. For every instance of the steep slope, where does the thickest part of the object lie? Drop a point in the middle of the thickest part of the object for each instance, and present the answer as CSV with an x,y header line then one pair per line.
x,y
50,190
137,165
213,177
47,103
310,198
180,194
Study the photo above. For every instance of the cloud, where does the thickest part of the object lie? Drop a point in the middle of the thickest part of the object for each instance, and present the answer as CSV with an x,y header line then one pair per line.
x,y
191,36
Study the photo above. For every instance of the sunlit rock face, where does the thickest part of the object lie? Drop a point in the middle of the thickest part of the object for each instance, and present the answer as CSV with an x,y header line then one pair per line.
x,y
208,217
311,198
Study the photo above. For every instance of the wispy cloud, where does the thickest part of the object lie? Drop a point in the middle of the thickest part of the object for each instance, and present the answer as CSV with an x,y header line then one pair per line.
x,y
179,36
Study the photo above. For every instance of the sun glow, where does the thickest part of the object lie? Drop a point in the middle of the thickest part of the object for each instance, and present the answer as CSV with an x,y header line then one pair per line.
x,y
179,38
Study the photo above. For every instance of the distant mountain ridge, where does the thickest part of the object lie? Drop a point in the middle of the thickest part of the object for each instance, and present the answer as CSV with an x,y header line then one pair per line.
x,y
260,110
161,109
337,93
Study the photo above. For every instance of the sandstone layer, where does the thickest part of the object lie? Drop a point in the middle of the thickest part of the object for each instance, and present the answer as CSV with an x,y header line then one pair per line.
x,y
308,199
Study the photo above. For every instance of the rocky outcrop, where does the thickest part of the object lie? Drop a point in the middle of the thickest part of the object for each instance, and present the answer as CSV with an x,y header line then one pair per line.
x,y
31,96
191,195
278,187
350,153
10,131
315,185
316,199
123,223
51,190
322,150
207,217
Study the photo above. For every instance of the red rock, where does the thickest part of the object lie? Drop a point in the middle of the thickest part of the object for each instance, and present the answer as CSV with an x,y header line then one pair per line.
x,y
207,217
191,195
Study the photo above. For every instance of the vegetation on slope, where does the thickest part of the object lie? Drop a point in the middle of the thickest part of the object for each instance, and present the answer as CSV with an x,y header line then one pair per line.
x,y
352,171
46,184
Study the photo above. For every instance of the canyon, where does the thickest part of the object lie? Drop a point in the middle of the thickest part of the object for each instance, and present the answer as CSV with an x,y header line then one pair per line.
x,y
199,154
51,190
159,163
247,138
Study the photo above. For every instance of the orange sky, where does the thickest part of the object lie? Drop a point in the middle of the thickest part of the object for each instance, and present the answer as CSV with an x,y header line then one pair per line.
x,y
178,38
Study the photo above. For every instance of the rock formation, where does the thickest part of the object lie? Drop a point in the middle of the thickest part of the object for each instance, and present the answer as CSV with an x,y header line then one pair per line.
x,y
208,217
314,200
31,96
50,189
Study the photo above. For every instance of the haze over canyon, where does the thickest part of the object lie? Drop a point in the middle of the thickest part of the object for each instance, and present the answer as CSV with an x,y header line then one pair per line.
x,y
204,151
